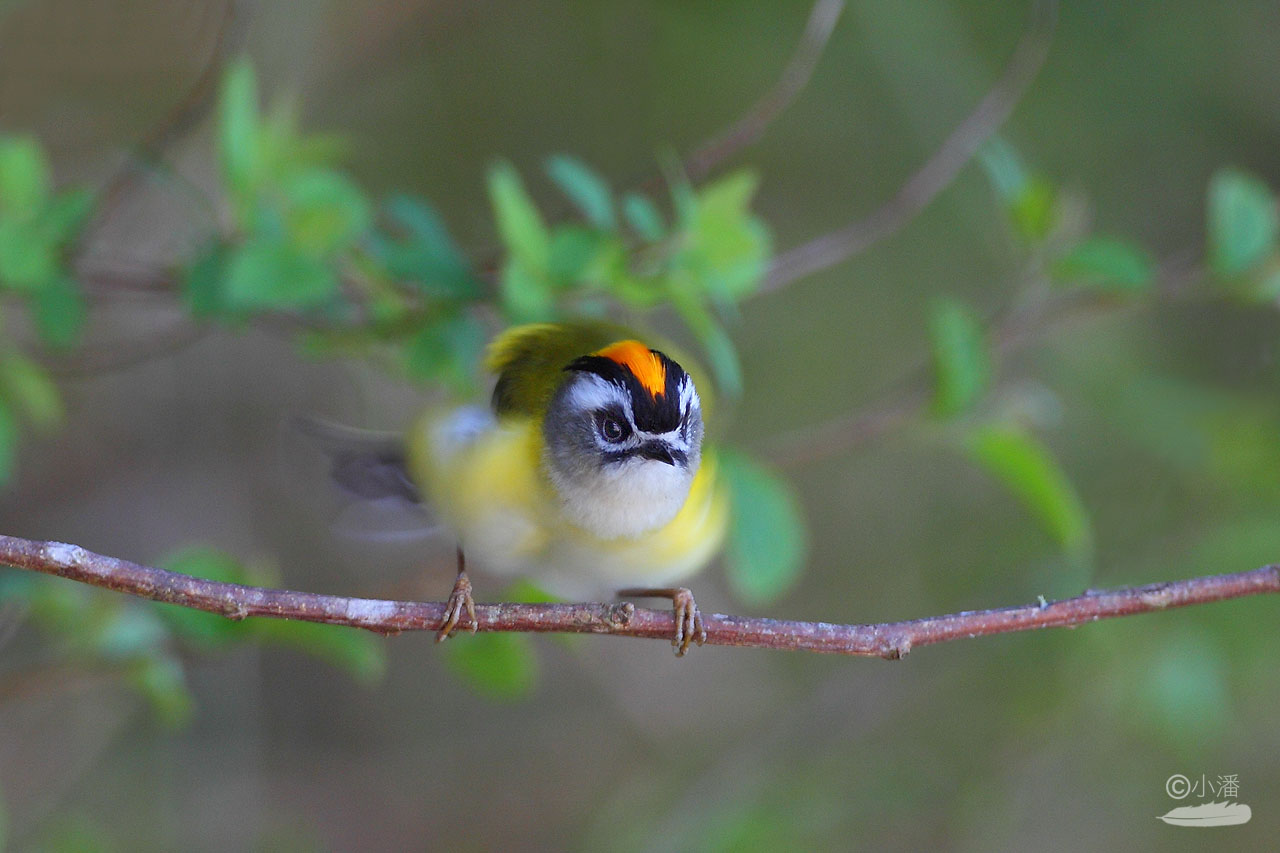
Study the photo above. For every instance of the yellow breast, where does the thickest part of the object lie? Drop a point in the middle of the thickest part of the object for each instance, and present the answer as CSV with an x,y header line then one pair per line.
x,y
486,479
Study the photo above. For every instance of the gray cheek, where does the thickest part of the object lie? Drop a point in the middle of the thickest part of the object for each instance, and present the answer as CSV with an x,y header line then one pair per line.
x,y
571,444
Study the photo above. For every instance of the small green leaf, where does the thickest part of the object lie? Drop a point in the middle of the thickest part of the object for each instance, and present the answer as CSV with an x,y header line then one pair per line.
x,y
961,363
362,655
585,189
1030,472
66,214
161,680
204,282
495,664
767,535
239,128
722,355
1242,222
448,350
573,252
523,232
28,257
1034,210
430,257
24,176
8,442
526,296
1182,689
28,386
325,211
726,249
131,632
643,217
1030,201
60,312
265,274
1107,264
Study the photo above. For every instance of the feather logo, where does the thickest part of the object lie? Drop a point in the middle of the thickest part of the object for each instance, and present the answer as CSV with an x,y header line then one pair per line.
x,y
1208,814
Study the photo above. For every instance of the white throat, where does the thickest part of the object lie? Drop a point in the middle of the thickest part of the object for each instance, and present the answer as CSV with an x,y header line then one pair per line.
x,y
625,501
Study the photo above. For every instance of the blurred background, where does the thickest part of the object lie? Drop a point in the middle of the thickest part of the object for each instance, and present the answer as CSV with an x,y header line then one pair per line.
x,y
1160,411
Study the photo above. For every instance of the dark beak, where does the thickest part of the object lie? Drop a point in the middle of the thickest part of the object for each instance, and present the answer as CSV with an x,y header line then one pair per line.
x,y
660,451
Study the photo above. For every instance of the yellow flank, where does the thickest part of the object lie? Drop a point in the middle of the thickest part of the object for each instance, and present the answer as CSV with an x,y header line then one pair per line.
x,y
491,488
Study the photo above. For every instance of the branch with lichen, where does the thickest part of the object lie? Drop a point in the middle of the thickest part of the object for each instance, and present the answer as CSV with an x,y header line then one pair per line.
x,y
889,640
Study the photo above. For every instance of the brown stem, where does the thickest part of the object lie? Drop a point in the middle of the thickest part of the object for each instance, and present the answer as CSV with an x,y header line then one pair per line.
x,y
752,124
890,640
938,171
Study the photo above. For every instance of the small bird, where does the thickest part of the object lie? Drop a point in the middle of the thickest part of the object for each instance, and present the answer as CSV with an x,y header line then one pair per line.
x,y
587,474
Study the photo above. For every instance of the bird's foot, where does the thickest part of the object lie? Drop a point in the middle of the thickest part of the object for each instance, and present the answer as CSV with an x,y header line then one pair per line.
x,y
459,600
689,628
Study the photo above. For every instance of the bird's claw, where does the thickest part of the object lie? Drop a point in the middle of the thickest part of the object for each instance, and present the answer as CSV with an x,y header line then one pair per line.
x,y
459,600
689,627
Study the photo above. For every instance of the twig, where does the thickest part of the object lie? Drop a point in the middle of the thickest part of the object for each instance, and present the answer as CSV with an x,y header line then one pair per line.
x,y
751,125
938,171
184,115
890,640
1011,330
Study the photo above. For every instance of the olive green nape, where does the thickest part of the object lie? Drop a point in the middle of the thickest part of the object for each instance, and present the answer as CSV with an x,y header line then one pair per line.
x,y
530,361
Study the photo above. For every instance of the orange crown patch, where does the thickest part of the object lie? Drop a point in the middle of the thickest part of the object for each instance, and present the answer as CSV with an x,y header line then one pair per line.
x,y
644,364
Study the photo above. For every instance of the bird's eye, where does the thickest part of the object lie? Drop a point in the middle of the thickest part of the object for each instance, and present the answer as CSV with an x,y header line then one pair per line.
x,y
612,428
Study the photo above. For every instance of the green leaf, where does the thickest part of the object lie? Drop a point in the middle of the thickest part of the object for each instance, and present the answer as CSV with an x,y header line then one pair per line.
x,y
643,217
1182,689
1030,201
495,664
1030,472
726,249
430,257
722,355
1034,210
24,176
203,284
28,386
238,135
265,274
204,630
60,312
767,535
65,215
961,362
523,232
130,632
325,211
1242,222
573,253
526,296
1107,264
585,189
28,257
161,680
448,350
8,443
362,655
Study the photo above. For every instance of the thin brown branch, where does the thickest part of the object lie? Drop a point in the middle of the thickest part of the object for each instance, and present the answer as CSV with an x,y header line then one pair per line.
x,y
1012,330
752,124
888,640
938,171
184,115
